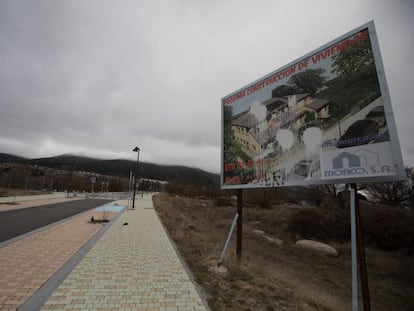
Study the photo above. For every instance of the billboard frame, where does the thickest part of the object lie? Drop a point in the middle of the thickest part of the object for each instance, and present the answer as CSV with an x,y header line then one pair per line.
x,y
386,102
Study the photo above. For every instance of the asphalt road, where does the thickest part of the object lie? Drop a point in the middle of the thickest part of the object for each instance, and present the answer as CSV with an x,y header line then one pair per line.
x,y
16,222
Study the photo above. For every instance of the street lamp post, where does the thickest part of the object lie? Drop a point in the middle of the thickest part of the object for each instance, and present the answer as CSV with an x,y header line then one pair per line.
x,y
137,150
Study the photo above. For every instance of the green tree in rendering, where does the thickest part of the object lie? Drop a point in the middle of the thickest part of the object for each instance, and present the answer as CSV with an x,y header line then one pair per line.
x,y
355,62
228,142
284,90
308,81
233,152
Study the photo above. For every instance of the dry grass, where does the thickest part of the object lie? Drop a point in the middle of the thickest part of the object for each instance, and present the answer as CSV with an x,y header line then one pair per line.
x,y
6,192
275,277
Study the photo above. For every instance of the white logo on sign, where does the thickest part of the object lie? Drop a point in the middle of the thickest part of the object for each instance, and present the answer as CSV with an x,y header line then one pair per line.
x,y
368,157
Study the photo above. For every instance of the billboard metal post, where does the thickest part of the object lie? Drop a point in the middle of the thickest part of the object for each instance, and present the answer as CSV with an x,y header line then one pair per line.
x,y
361,253
354,251
239,224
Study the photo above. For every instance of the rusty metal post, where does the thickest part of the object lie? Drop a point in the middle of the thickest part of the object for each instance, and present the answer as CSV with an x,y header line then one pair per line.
x,y
354,251
239,224
361,254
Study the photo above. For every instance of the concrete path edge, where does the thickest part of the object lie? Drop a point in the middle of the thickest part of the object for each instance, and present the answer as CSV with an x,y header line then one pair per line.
x,y
43,293
200,290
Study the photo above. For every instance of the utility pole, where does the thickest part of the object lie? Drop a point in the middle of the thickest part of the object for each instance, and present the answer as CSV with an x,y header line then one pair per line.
x,y
137,150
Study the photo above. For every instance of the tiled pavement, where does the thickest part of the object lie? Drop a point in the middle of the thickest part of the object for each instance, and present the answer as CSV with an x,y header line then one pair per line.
x,y
29,262
132,267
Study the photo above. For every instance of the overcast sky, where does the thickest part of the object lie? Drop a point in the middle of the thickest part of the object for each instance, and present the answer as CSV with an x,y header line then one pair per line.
x,y
98,78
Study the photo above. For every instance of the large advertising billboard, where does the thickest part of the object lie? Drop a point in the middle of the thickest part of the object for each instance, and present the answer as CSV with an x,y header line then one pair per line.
x,y
324,118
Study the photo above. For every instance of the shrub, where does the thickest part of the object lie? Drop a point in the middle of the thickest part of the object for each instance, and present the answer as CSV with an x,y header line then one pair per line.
x,y
388,228
186,189
320,224
261,197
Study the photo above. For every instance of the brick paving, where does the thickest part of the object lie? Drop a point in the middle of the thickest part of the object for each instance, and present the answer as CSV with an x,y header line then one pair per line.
x,y
28,263
132,267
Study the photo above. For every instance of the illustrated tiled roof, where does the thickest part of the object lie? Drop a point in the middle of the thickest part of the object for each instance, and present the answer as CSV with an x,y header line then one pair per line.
x,y
274,100
278,102
317,104
299,97
246,119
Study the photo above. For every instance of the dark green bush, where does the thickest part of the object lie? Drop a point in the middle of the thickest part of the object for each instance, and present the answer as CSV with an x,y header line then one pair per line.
x,y
316,223
388,228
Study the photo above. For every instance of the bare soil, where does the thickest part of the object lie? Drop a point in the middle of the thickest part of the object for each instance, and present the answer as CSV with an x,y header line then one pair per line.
x,y
271,276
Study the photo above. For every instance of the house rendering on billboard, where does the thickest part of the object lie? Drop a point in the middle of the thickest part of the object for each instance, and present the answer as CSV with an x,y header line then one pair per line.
x,y
324,118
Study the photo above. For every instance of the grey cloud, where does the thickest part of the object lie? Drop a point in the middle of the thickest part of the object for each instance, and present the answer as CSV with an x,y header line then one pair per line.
x,y
98,77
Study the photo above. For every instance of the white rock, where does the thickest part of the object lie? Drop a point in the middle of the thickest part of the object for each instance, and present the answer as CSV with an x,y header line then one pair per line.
x,y
222,270
317,246
273,240
251,301
258,232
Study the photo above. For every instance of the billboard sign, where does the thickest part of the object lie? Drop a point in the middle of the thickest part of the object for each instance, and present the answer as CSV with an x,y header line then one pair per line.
x,y
324,118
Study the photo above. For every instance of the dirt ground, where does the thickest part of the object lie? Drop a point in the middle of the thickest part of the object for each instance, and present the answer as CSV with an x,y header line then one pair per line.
x,y
272,276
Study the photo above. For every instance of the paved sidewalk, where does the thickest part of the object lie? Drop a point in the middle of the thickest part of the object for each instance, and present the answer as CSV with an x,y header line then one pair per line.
x,y
28,263
132,267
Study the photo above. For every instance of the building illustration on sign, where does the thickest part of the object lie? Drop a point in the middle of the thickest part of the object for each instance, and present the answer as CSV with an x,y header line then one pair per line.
x,y
281,112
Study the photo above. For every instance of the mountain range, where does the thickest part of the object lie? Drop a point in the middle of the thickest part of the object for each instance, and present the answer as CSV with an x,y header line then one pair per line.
x,y
118,167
